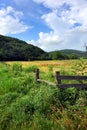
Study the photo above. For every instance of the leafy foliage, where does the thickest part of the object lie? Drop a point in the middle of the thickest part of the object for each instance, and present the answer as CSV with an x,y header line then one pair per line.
x,y
67,54
80,67
12,49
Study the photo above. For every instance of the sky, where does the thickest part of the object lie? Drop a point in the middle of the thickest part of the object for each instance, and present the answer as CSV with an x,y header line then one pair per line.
x,y
48,24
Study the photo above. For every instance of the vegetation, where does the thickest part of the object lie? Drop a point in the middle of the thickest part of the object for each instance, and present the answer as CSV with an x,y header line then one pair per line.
x,y
68,54
27,105
12,49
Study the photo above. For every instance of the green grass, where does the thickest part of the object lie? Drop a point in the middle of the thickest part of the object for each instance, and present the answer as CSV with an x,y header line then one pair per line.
x,y
27,105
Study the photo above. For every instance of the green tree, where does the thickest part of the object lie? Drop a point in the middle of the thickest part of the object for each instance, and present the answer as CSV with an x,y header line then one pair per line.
x,y
59,56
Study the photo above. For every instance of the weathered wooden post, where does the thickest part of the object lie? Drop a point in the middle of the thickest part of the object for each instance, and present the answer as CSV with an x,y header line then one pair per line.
x,y
37,74
57,76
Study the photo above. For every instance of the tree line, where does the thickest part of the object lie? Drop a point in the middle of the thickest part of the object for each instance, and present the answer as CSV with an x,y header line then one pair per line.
x,y
12,49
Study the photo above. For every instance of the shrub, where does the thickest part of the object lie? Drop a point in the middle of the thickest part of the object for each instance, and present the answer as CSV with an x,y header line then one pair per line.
x,y
17,67
80,67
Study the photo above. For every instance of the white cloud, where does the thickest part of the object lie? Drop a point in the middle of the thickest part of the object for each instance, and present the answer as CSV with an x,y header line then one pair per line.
x,y
57,24
49,38
47,41
68,21
55,5
10,21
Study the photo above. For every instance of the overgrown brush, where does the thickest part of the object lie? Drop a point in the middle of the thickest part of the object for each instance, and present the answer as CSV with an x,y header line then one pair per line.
x,y
27,105
31,68
17,67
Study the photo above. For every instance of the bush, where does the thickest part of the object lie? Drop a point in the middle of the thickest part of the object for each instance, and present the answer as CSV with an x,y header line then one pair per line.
x,y
17,67
80,67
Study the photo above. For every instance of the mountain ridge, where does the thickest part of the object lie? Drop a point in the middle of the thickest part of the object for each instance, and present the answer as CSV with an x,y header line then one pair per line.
x,y
13,49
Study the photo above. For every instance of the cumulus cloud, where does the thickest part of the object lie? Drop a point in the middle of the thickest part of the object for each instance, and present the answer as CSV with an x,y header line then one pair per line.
x,y
67,20
57,24
49,38
47,41
10,21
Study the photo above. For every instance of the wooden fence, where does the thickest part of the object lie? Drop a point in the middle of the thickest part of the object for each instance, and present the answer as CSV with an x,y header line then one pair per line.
x,y
59,79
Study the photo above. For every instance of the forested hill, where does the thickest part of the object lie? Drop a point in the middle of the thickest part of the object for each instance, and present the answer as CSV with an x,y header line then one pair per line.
x,y
68,54
74,52
12,49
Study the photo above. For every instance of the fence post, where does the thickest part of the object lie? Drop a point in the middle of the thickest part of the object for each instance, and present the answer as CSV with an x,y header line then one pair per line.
x,y
58,80
37,74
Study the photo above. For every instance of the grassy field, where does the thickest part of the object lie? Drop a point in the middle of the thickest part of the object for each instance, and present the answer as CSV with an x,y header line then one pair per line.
x,y
44,65
28,105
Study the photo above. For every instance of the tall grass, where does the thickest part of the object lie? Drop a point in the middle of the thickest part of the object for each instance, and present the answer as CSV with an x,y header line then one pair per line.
x,y
27,105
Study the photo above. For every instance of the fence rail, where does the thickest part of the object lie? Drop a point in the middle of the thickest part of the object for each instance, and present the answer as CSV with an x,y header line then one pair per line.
x,y
59,79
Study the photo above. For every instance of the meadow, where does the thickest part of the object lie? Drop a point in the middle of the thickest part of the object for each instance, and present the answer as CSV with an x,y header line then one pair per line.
x,y
28,105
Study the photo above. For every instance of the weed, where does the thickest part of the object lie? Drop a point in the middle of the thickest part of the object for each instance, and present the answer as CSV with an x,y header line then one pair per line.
x,y
31,68
27,105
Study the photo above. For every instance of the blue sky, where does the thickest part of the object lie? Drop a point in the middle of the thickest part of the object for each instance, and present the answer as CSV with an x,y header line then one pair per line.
x,y
48,24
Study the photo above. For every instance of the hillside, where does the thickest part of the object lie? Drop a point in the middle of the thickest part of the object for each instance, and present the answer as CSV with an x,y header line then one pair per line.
x,y
68,54
12,49
76,52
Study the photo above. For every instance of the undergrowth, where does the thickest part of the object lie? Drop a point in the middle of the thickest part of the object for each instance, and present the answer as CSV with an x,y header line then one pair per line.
x,y
27,105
